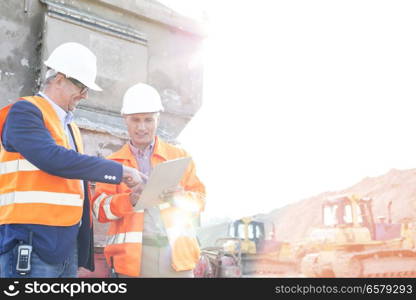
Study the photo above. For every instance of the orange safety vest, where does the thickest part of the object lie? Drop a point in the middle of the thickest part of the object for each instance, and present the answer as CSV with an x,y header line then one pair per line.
x,y
124,237
29,195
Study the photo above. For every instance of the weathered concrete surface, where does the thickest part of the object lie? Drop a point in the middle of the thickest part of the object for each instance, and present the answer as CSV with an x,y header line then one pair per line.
x,y
20,34
158,12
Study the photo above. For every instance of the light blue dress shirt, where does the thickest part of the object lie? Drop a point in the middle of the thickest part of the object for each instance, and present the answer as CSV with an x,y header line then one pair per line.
x,y
153,224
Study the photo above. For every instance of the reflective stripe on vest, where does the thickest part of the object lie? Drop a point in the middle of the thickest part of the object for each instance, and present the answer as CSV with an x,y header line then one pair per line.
x,y
16,165
97,203
124,237
41,197
106,207
29,195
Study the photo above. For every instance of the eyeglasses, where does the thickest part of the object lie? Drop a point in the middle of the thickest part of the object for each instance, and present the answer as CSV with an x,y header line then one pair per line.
x,y
78,84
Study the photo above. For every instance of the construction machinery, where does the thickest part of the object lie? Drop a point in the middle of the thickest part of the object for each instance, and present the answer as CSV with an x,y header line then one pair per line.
x,y
351,244
221,260
261,252
250,249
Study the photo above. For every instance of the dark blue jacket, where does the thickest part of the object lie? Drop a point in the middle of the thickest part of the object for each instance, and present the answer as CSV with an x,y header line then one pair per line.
x,y
25,132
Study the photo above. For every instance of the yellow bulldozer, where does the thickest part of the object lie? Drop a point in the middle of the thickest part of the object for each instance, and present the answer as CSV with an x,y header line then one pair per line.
x,y
261,252
251,248
351,244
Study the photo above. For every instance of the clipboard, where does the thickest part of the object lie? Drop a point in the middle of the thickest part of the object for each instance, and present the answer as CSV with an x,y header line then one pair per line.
x,y
164,176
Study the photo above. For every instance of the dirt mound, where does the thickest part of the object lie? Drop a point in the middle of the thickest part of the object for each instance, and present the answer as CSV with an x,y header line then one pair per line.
x,y
399,186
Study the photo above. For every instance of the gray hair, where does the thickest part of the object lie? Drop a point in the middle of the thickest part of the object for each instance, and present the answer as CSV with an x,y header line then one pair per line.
x,y
49,76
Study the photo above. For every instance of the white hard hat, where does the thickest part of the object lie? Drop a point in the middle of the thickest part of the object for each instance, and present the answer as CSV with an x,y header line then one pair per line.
x,y
141,98
76,61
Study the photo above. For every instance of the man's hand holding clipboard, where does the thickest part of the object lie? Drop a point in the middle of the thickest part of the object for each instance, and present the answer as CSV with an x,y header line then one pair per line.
x,y
162,182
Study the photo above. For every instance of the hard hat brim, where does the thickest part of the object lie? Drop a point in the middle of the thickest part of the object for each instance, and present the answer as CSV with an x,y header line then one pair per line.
x,y
90,85
122,112
93,86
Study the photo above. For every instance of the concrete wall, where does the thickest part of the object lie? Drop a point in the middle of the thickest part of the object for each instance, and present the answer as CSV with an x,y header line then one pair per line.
x,y
21,34
133,40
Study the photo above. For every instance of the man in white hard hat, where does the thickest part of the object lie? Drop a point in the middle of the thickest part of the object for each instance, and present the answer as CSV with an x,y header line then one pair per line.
x,y
45,216
159,241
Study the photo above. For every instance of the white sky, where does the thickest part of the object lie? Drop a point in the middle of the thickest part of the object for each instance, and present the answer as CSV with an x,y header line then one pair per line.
x,y
302,97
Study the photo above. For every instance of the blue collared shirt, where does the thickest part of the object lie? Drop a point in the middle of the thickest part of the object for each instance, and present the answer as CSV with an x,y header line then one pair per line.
x,y
65,117
143,157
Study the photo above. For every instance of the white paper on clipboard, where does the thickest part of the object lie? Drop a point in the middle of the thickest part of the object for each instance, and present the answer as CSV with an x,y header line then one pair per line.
x,y
164,176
